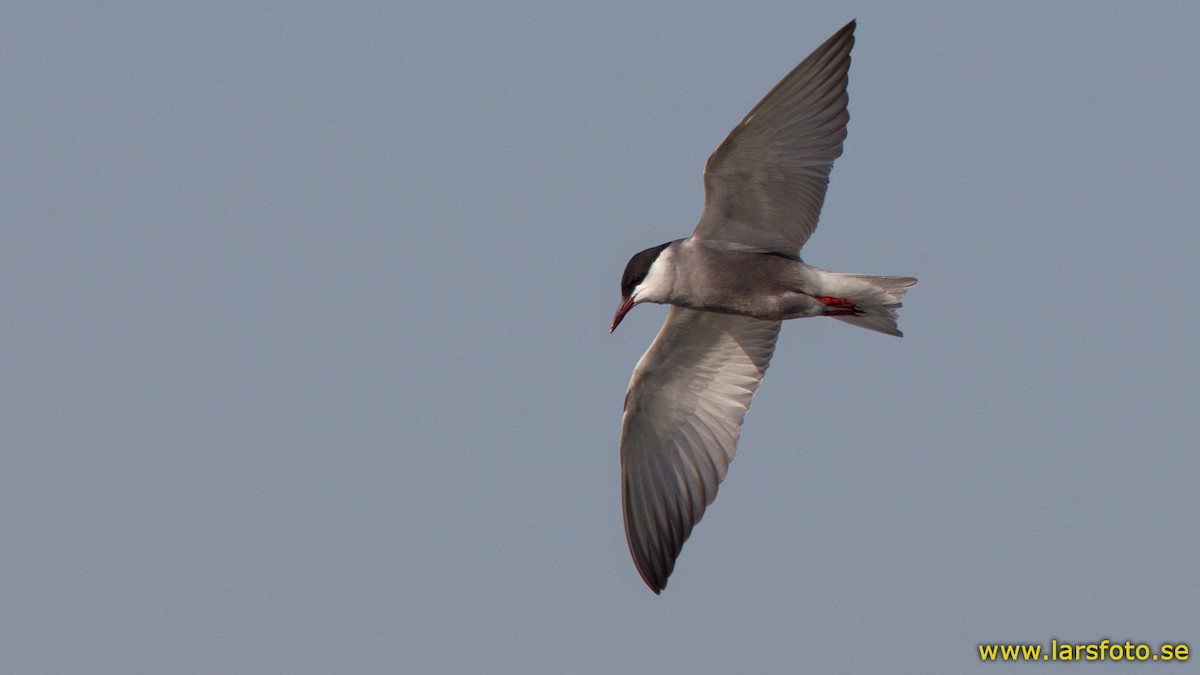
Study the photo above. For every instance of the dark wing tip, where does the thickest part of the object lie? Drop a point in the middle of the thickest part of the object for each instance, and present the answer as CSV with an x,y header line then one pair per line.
x,y
654,569
654,561
656,582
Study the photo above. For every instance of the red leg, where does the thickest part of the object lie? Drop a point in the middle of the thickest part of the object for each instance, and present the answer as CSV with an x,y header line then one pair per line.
x,y
836,303
838,306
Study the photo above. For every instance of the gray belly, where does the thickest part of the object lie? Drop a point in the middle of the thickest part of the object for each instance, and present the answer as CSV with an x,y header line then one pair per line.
x,y
775,307
758,285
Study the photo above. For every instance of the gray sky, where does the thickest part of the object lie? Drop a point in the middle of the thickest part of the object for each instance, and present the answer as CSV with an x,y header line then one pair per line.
x,y
306,367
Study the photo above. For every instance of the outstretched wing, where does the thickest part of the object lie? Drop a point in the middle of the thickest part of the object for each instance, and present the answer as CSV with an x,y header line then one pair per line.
x,y
683,415
765,184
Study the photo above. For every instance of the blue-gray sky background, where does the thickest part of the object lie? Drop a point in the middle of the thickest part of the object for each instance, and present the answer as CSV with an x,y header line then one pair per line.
x,y
305,364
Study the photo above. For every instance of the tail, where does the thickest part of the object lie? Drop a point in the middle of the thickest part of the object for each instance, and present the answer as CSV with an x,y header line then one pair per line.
x,y
876,300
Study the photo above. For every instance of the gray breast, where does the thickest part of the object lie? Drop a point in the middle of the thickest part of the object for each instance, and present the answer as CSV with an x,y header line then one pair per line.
x,y
761,285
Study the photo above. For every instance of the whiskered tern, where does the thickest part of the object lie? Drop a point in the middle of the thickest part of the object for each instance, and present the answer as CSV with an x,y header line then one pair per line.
x,y
730,285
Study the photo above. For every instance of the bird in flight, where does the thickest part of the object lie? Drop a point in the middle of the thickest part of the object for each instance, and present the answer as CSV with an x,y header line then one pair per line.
x,y
730,285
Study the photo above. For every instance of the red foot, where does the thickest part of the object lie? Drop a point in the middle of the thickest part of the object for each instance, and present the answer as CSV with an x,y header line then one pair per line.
x,y
838,306
837,303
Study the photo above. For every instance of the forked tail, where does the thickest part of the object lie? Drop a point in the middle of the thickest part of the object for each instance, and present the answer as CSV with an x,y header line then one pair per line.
x,y
876,300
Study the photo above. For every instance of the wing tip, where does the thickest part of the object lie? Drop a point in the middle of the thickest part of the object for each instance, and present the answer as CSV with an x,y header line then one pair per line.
x,y
654,582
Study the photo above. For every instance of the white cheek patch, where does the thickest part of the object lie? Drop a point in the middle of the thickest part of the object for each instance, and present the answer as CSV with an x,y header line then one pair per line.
x,y
656,286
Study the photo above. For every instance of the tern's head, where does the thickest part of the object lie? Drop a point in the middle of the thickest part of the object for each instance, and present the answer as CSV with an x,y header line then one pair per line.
x,y
646,279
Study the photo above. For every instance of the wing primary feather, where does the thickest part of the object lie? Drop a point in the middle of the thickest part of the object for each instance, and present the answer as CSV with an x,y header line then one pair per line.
x,y
683,414
765,183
